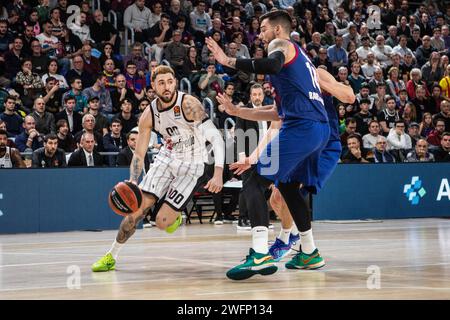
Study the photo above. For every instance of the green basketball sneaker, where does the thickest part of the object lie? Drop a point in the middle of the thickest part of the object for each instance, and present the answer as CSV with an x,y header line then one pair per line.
x,y
255,263
306,261
105,263
174,226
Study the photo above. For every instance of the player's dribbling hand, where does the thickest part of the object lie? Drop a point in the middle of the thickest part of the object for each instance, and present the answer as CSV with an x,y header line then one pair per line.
x,y
132,181
214,185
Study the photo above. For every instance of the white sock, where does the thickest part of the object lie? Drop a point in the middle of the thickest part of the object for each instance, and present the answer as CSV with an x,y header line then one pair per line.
x,y
294,230
260,237
307,242
284,235
115,249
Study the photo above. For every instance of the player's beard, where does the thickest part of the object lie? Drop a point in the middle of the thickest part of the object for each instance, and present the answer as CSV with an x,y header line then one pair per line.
x,y
164,99
2,148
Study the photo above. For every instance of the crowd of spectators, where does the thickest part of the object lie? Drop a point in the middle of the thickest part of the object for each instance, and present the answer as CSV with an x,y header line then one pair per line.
x,y
67,88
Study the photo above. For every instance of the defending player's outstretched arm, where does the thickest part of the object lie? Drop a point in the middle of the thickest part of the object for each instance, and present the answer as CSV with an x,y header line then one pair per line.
x,y
145,128
265,113
328,83
193,110
280,50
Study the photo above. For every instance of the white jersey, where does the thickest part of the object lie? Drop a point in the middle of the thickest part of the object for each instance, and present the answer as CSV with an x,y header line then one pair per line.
x,y
178,169
5,161
182,138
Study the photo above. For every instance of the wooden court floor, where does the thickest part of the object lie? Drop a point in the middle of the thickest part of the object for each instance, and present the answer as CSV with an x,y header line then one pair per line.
x,y
391,259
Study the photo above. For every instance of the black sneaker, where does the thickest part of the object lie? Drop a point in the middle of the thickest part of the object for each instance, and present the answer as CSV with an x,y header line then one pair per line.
x,y
218,220
146,222
229,219
243,225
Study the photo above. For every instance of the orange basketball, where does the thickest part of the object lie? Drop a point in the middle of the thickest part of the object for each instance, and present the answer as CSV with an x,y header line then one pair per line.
x,y
125,198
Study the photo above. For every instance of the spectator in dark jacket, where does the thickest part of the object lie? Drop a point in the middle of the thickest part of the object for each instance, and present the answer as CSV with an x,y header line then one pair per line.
x,y
126,155
424,51
115,140
380,154
13,58
443,153
88,127
355,153
86,156
120,93
45,121
128,119
79,71
350,128
74,119
50,156
65,138
103,32
30,139
11,118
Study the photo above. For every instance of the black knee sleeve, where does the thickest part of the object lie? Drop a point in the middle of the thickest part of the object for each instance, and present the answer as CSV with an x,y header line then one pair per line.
x,y
297,205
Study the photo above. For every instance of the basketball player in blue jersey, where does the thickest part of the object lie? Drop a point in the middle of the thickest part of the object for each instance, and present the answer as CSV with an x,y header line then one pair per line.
x,y
303,135
329,158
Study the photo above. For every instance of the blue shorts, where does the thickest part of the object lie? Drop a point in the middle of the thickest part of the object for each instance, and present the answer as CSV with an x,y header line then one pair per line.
x,y
328,160
294,156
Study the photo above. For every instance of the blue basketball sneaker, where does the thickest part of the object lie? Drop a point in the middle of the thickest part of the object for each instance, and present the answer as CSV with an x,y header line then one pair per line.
x,y
279,249
293,240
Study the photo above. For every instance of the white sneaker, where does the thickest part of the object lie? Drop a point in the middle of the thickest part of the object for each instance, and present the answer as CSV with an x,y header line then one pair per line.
x,y
147,225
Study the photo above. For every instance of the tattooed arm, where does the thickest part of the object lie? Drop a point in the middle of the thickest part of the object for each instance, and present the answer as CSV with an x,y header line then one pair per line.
x,y
280,51
129,223
137,163
193,109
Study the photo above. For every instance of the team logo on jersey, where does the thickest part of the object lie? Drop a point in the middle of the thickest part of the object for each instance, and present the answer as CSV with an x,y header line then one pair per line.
x,y
177,112
169,144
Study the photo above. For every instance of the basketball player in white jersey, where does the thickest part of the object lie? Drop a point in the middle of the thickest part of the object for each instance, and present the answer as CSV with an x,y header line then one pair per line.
x,y
9,157
178,169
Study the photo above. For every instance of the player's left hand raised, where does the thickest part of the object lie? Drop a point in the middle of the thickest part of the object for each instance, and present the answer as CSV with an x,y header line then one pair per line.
x,y
219,55
214,185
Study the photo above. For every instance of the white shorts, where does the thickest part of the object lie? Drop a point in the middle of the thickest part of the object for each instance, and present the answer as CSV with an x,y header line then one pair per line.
x,y
173,178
